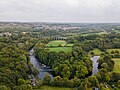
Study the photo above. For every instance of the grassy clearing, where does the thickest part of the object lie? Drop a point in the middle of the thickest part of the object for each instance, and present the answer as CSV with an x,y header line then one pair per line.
x,y
57,49
53,88
56,43
69,45
56,88
109,50
96,52
100,33
54,46
117,65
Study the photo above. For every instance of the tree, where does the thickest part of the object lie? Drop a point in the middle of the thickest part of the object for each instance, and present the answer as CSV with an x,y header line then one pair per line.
x,y
102,87
23,87
92,53
41,45
4,87
93,80
65,72
21,81
76,81
81,70
118,83
39,83
47,79
56,69
112,52
104,75
70,83
57,80
116,51
104,65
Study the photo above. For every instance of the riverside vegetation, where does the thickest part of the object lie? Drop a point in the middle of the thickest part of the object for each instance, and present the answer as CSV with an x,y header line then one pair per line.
x,y
70,61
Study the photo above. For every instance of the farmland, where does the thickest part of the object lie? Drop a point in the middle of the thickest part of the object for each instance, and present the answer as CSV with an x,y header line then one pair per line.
x,y
117,65
56,43
59,45
96,51
109,50
53,88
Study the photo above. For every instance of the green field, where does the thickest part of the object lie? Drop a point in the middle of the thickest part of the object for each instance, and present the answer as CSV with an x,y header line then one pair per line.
x,y
56,88
99,33
56,43
109,50
69,45
117,65
57,49
54,46
96,52
53,88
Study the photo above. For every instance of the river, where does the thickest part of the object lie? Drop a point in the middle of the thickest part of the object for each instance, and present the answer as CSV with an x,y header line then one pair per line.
x,y
95,64
44,71
38,66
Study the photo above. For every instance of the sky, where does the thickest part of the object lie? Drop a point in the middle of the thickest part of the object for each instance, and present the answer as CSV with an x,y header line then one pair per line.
x,y
76,11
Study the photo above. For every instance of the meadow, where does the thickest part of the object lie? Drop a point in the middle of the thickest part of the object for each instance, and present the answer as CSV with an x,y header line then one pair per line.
x,y
96,51
117,64
56,43
54,88
109,50
59,45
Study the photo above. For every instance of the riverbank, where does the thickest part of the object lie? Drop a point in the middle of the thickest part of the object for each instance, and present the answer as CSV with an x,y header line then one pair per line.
x,y
37,65
95,64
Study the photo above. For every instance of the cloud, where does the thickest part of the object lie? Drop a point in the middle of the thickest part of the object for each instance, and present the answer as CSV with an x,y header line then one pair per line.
x,y
60,10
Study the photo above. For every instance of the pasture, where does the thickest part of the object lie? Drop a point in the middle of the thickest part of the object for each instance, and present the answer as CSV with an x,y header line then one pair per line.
x,y
96,51
109,50
59,45
56,43
117,64
58,49
53,88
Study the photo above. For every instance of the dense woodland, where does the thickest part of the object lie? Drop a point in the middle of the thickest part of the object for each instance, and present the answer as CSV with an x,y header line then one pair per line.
x,y
77,65
72,69
15,64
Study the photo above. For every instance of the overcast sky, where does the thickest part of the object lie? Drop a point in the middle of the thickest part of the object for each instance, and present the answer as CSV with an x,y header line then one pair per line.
x,y
81,11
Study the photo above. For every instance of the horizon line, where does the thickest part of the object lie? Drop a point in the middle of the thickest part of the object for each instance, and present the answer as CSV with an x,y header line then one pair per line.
x,y
56,22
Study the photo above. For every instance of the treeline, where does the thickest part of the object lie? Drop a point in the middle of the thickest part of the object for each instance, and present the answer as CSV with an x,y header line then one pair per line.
x,y
104,78
73,69
102,42
15,66
67,65
106,62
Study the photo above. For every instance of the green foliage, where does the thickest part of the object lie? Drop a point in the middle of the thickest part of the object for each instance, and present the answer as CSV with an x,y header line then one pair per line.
x,y
118,83
47,79
4,87
94,81
21,81
56,43
66,64
106,62
23,87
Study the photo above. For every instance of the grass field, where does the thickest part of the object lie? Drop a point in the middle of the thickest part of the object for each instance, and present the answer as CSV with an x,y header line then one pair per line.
x,y
100,33
96,52
109,50
54,46
57,49
56,43
53,88
117,65
69,45
57,88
